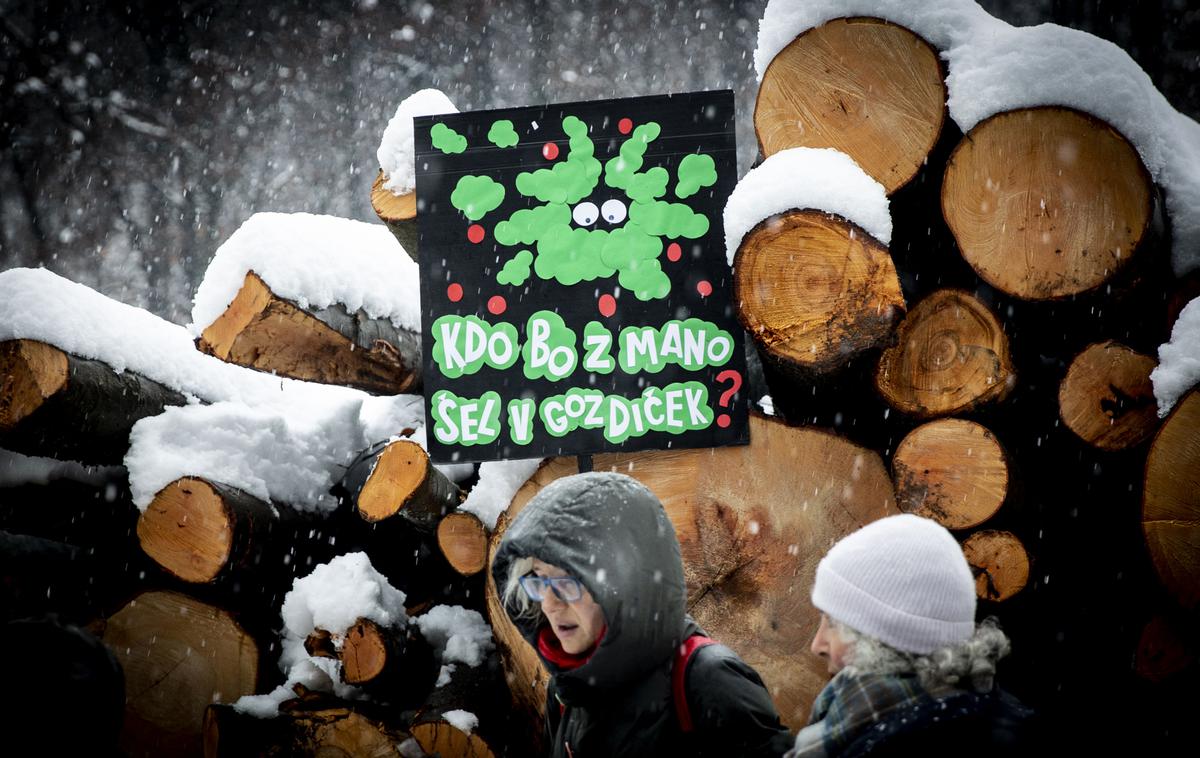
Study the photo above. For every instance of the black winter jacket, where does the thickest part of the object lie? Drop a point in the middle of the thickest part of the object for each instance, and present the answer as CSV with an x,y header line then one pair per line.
x,y
611,533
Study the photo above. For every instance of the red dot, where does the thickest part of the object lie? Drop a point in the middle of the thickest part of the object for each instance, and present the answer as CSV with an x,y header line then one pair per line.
x,y
454,292
674,252
475,233
723,420
608,305
625,126
549,151
704,288
496,305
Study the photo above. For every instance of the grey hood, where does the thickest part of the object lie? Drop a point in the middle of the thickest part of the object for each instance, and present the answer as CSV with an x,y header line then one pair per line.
x,y
611,533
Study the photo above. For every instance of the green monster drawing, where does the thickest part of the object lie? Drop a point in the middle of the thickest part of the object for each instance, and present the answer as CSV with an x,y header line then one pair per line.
x,y
562,238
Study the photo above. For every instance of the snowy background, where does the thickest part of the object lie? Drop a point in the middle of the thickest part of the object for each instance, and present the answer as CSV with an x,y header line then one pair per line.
x,y
137,136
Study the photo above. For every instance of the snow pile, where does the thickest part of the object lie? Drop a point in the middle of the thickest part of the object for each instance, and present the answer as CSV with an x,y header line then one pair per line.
x,y
804,177
315,261
397,155
332,597
498,482
457,634
463,721
995,67
1178,367
17,469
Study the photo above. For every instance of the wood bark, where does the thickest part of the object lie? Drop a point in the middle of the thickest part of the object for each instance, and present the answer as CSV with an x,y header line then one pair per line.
x,y
60,405
952,471
318,727
179,654
1047,202
398,213
951,356
396,479
815,291
476,690
1171,501
396,665
999,562
753,522
263,331
1107,398
864,86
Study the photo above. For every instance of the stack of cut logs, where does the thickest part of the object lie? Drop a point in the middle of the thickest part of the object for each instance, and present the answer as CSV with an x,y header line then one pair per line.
x,y
967,373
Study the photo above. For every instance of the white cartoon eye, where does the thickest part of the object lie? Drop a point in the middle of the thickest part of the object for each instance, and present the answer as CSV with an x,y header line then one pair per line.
x,y
613,211
585,214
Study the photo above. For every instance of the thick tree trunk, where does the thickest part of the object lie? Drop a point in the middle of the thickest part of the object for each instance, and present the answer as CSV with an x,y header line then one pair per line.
x,y
951,356
864,86
1000,564
1171,501
1107,398
952,471
1047,202
476,690
263,331
753,522
398,213
56,404
815,291
179,655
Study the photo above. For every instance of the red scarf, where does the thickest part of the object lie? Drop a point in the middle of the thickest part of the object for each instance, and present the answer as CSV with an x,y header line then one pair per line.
x,y
552,650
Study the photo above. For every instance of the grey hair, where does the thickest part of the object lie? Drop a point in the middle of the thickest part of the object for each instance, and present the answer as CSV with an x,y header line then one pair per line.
x,y
967,665
514,597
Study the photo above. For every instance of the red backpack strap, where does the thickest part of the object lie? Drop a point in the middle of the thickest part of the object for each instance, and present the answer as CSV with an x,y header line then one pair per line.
x,y
683,655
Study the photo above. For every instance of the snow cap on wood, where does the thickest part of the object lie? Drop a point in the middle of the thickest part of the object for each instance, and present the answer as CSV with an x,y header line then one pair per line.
x,y
1178,367
801,178
397,154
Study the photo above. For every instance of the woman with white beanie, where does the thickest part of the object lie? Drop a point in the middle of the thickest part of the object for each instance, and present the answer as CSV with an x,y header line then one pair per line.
x,y
913,674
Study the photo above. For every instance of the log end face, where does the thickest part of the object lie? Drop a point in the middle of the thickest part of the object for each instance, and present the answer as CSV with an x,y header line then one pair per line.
x,y
400,471
1107,398
220,337
1000,564
463,540
442,738
1171,501
187,529
364,652
31,372
389,206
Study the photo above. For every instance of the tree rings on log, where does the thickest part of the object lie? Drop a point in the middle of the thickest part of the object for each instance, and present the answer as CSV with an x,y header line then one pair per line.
x,y
397,479
1046,202
952,471
197,530
398,213
1171,501
1107,398
814,290
463,540
179,655
999,562
56,404
476,690
261,330
864,86
951,355
753,522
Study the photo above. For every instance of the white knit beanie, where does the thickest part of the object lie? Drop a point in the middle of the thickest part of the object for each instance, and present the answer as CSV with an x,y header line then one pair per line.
x,y
903,580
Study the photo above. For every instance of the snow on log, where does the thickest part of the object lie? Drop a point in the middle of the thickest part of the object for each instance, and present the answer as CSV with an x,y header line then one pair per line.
x,y
465,716
397,212
864,86
312,724
952,471
58,404
1000,564
1047,202
753,522
1171,501
951,356
265,332
1178,367
1107,398
394,663
178,654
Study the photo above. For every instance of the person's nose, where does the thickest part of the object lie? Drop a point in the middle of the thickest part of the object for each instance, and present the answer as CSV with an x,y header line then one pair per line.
x,y
551,601
818,646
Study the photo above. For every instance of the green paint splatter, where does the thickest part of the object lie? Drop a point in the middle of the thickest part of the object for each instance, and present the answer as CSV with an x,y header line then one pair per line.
x,y
695,171
502,134
527,225
447,140
568,181
668,219
622,173
571,255
516,271
475,196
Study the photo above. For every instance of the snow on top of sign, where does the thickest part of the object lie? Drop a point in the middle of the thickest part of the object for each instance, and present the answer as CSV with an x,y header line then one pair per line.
x,y
459,635
397,155
804,177
995,67
316,261
39,305
498,482
332,597
1178,367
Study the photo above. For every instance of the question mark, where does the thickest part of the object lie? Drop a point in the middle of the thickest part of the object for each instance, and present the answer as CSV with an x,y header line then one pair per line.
x,y
735,379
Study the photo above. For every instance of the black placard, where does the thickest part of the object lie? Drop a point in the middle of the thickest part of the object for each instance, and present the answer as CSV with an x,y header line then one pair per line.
x,y
574,289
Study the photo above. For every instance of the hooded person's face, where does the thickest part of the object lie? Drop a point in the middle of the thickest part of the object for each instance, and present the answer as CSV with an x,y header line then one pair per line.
x,y
577,624
828,644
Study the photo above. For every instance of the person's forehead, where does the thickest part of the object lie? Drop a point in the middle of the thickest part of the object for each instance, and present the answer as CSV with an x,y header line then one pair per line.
x,y
542,568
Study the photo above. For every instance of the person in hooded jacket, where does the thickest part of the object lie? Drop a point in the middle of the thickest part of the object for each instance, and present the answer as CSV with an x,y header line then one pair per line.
x,y
592,576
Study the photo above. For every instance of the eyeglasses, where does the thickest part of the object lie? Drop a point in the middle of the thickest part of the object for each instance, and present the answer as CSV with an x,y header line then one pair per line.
x,y
566,588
